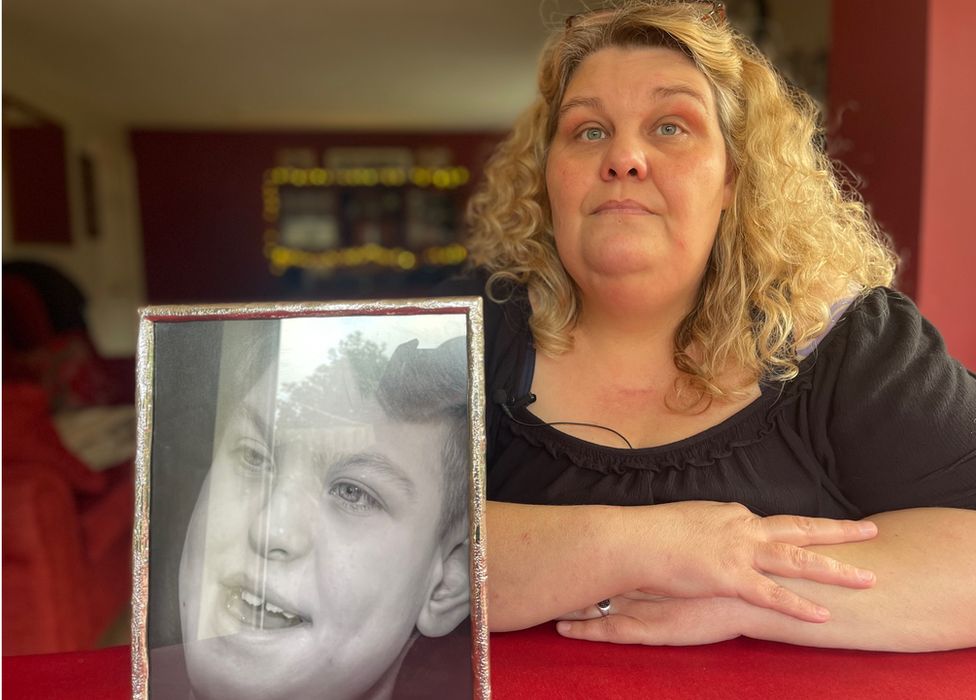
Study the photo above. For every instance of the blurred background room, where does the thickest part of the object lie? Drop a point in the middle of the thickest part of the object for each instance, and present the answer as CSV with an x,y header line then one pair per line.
x,y
249,150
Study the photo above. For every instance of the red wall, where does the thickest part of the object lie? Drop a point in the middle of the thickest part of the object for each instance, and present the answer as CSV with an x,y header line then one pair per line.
x,y
876,98
35,161
902,102
947,255
200,202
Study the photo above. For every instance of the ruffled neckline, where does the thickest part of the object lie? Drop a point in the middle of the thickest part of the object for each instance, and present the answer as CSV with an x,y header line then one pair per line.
x,y
746,427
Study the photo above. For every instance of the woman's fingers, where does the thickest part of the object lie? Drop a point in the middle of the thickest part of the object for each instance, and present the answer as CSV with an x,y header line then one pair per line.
x,y
783,555
766,593
619,629
802,531
587,613
794,562
658,621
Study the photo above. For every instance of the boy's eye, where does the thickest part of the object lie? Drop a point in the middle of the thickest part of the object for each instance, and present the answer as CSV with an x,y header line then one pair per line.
x,y
354,498
253,457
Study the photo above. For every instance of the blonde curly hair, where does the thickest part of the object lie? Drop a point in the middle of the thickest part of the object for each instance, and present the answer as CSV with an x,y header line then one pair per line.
x,y
795,239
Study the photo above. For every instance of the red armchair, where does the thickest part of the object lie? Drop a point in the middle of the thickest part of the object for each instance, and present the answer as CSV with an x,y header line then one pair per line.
x,y
66,535
67,528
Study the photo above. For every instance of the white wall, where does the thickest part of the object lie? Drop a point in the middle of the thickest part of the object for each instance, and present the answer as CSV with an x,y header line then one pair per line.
x,y
109,269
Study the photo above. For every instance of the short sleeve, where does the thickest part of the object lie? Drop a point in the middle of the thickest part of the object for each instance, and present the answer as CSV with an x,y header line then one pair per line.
x,y
894,414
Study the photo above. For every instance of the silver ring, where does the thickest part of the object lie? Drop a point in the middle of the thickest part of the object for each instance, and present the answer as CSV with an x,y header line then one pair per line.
x,y
604,607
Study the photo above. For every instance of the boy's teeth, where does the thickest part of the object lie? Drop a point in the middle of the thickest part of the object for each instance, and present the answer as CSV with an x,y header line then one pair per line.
x,y
251,599
256,601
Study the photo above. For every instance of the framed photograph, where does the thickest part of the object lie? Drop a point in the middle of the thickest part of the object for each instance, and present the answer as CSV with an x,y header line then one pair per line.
x,y
310,502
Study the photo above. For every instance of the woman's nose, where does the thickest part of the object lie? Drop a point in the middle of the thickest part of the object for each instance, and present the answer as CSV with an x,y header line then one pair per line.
x,y
624,159
281,530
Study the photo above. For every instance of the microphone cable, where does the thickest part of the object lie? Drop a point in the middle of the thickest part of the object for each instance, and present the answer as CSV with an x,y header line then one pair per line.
x,y
500,397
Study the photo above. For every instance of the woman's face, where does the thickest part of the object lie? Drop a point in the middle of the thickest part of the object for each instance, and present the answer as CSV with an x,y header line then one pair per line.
x,y
637,176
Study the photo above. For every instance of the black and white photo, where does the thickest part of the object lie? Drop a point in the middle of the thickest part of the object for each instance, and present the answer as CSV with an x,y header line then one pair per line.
x,y
310,481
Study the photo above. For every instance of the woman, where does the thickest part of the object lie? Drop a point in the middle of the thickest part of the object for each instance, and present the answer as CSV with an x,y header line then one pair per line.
x,y
688,316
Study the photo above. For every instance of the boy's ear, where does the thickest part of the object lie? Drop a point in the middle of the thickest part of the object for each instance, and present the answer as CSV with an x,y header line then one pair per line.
x,y
449,597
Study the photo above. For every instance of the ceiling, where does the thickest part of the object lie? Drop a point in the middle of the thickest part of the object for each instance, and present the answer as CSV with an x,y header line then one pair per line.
x,y
368,64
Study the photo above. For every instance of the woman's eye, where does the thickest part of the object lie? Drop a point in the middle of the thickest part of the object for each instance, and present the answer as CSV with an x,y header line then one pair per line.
x,y
593,133
669,129
354,497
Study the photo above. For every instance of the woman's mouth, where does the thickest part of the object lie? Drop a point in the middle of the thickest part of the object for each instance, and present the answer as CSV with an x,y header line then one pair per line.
x,y
254,610
621,206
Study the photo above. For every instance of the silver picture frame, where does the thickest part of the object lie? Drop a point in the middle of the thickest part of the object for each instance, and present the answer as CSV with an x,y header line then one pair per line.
x,y
309,510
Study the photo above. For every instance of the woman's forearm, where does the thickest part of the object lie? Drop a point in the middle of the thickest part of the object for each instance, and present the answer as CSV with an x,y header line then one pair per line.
x,y
924,598
545,560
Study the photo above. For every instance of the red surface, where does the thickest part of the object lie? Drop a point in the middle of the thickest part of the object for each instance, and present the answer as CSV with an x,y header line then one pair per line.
x,y
537,663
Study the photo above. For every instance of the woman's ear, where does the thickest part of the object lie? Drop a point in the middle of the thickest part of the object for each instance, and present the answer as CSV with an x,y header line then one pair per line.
x,y
449,599
728,192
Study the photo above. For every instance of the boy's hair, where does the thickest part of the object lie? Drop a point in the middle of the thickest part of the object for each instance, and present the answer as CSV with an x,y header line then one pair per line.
x,y
419,385
248,348
428,386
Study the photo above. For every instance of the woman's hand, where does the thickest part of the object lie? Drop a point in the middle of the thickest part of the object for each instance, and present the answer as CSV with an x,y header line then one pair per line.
x,y
722,549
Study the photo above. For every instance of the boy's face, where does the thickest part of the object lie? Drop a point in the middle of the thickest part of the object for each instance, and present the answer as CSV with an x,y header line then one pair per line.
x,y
309,555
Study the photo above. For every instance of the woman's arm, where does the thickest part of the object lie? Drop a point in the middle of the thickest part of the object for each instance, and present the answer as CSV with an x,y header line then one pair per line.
x,y
924,598
545,560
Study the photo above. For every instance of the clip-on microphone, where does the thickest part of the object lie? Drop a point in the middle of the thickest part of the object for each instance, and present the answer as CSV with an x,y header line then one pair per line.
x,y
500,396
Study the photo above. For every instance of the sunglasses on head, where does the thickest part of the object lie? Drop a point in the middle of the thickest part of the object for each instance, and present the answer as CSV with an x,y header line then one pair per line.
x,y
715,13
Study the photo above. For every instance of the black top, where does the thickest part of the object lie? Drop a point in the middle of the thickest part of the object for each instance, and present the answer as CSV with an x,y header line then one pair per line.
x,y
879,418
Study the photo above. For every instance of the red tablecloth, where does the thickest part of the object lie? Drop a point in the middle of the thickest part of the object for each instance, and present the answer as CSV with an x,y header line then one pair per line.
x,y
537,663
